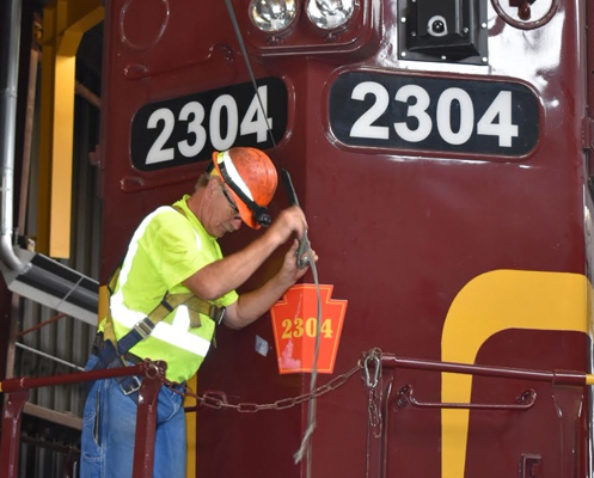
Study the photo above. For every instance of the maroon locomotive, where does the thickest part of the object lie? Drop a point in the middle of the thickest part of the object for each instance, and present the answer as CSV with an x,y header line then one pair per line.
x,y
440,151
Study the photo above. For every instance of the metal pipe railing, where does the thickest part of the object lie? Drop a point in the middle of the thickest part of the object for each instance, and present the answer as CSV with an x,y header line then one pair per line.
x,y
17,391
153,374
558,377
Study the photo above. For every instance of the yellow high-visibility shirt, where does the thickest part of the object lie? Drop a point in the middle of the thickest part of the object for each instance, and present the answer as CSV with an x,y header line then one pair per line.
x,y
166,249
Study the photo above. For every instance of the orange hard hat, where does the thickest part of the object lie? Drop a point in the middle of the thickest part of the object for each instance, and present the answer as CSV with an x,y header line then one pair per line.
x,y
250,177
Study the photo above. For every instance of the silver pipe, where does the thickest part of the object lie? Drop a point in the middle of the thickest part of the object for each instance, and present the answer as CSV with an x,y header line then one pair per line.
x,y
11,36
48,356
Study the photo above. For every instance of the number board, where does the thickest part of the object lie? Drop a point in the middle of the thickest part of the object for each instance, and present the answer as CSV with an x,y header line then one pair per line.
x,y
187,129
435,114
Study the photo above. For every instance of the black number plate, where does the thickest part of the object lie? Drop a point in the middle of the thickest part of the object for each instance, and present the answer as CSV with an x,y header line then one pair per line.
x,y
187,129
435,114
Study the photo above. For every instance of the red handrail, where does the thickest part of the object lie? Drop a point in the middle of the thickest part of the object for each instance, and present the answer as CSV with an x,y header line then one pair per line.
x,y
17,390
558,377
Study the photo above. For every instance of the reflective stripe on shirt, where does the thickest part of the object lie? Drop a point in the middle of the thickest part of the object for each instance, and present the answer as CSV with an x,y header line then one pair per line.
x,y
177,333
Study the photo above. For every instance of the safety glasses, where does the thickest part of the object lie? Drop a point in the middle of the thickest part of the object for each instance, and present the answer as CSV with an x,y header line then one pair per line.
x,y
229,200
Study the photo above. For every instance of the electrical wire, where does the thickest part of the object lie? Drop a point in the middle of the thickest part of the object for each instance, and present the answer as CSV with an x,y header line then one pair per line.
x,y
305,447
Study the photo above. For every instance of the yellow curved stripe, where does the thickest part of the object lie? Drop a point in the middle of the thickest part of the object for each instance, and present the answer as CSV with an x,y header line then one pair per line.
x,y
492,302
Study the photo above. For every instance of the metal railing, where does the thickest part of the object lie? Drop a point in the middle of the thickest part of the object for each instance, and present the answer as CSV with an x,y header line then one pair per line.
x,y
17,392
370,366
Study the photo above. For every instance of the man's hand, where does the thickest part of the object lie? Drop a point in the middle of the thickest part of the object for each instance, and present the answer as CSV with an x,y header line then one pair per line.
x,y
254,304
289,221
290,272
219,277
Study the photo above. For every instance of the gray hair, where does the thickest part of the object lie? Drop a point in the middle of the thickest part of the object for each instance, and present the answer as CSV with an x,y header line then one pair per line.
x,y
202,181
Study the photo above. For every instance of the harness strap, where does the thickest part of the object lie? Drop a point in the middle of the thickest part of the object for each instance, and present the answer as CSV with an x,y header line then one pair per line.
x,y
143,328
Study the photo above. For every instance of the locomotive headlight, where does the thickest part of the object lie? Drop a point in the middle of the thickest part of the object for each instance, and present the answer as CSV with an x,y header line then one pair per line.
x,y
272,15
330,14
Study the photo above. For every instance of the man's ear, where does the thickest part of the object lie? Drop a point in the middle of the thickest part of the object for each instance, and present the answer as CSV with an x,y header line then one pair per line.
x,y
212,186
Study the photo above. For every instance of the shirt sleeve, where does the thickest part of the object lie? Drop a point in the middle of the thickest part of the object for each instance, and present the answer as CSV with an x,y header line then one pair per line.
x,y
227,299
175,248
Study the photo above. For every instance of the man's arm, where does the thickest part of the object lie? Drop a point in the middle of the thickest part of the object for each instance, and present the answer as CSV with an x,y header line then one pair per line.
x,y
254,304
218,278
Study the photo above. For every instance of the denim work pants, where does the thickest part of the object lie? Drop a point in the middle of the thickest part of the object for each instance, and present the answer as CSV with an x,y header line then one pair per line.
x,y
109,425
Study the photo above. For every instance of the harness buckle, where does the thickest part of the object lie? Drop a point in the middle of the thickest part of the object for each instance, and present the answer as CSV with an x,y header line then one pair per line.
x,y
130,384
144,327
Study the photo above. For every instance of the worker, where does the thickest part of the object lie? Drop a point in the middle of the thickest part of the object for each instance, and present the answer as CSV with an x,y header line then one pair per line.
x,y
174,254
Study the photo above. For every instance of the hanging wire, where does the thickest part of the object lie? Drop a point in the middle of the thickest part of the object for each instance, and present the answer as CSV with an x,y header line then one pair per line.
x,y
305,447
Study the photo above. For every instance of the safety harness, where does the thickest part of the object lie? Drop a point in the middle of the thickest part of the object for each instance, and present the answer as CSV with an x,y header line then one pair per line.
x,y
113,352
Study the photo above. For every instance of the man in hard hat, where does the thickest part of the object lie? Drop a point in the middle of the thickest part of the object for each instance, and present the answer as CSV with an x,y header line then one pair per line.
x,y
173,288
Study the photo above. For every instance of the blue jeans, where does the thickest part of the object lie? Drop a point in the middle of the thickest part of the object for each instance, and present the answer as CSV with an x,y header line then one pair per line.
x,y
109,424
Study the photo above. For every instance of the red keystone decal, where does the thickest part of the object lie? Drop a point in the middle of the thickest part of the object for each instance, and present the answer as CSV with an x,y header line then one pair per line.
x,y
294,321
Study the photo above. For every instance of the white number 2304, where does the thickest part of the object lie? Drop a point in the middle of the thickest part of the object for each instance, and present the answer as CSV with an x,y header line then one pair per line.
x,y
193,115
495,121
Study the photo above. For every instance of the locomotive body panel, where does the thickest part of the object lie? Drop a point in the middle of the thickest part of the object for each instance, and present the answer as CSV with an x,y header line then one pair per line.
x,y
444,199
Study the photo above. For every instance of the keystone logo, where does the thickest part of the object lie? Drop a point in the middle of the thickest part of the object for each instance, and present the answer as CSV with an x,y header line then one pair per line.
x,y
295,326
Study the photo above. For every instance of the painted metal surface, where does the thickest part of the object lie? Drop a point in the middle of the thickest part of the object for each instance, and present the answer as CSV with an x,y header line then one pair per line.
x,y
446,254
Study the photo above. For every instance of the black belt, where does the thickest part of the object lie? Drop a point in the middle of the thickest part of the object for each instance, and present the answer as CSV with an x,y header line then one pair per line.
x,y
129,384
99,344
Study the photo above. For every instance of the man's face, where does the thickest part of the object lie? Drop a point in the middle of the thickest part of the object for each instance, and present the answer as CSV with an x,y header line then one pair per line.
x,y
225,215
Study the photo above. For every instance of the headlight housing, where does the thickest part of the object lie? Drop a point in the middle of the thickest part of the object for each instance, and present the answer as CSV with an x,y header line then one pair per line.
x,y
330,14
272,16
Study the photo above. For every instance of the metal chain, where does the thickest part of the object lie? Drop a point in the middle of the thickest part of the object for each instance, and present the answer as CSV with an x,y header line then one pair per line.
x,y
218,400
373,385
